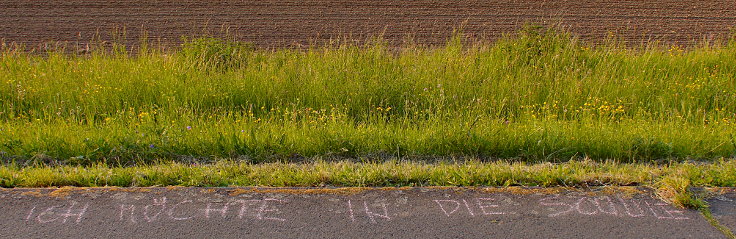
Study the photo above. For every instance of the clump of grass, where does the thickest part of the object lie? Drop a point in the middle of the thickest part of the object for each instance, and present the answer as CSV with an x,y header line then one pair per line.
x,y
539,96
210,53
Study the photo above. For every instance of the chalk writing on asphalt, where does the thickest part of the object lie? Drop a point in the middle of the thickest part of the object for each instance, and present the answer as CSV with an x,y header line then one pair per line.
x,y
163,209
73,212
561,206
355,210
373,213
606,205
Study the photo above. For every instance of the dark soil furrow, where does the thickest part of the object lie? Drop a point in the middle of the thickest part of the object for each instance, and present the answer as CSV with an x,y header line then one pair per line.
x,y
289,23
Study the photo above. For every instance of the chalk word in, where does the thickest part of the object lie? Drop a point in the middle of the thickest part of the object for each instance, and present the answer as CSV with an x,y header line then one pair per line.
x,y
371,214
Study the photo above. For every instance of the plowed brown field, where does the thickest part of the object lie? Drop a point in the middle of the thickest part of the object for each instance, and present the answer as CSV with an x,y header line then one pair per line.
x,y
269,23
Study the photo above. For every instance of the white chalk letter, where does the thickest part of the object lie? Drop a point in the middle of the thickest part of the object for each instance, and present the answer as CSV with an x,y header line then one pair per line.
x,y
457,206
607,203
679,214
79,213
222,211
129,210
580,203
244,206
30,213
350,208
628,209
468,207
545,202
42,217
264,208
156,203
373,215
484,206
173,208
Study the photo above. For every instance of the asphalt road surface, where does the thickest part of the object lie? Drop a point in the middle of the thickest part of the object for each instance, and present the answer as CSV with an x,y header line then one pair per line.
x,y
349,213
723,208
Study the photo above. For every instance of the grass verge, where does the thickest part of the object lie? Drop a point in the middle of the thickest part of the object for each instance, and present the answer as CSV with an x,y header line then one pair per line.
x,y
538,96
672,181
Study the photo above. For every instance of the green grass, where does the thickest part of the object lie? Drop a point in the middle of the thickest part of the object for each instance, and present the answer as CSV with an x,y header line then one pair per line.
x,y
671,180
539,96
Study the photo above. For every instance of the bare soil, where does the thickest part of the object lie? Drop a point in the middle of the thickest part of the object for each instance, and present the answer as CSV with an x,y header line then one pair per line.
x,y
286,23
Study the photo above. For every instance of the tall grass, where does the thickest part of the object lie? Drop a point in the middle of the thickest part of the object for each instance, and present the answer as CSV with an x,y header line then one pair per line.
x,y
540,96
